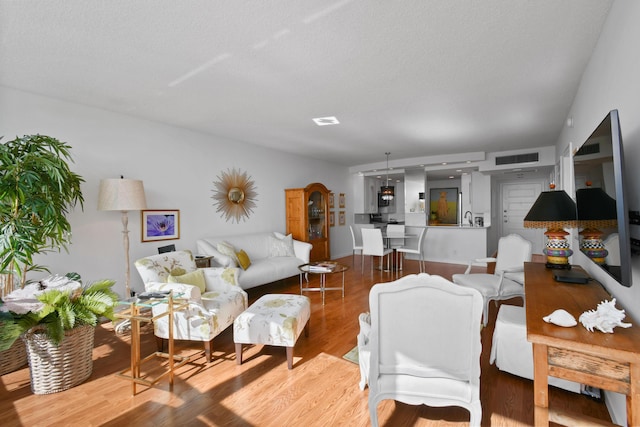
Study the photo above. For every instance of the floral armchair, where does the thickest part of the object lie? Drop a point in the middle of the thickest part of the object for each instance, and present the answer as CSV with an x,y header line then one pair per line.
x,y
215,299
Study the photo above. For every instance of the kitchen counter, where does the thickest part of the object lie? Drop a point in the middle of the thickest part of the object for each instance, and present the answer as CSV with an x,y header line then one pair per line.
x,y
454,244
464,227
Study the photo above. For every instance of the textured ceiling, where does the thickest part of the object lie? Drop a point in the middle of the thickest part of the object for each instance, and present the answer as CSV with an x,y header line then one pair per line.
x,y
416,78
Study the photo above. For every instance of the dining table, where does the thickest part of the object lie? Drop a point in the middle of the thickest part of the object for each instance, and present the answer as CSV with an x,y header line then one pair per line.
x,y
387,237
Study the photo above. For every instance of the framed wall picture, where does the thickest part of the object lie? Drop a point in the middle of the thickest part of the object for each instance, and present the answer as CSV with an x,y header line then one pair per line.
x,y
331,200
341,201
160,225
341,219
443,205
332,219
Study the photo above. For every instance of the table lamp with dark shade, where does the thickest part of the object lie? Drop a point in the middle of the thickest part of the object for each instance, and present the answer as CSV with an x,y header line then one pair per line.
x,y
554,210
596,210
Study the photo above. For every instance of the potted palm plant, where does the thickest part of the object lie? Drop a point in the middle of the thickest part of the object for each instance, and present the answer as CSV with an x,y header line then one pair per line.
x,y
56,317
37,190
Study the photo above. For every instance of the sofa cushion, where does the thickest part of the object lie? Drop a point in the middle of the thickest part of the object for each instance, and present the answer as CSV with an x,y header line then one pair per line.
x,y
229,250
195,278
267,270
243,259
281,247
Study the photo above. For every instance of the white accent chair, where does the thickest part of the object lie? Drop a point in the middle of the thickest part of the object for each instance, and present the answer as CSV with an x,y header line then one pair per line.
x,y
364,353
373,245
209,312
356,239
508,280
612,245
425,344
417,250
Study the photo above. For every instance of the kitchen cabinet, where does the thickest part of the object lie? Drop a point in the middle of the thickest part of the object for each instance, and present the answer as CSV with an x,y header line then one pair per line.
x,y
307,217
365,194
481,194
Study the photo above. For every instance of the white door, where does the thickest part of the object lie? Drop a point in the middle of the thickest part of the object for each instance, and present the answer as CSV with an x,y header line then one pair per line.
x,y
517,199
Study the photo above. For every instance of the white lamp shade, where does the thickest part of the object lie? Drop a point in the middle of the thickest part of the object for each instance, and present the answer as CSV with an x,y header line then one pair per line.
x,y
121,195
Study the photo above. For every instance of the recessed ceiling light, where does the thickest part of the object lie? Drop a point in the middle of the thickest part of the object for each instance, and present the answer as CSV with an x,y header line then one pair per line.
x,y
326,121
444,163
458,170
451,177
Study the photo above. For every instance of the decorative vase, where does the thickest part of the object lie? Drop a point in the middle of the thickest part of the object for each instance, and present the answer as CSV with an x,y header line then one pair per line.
x,y
54,368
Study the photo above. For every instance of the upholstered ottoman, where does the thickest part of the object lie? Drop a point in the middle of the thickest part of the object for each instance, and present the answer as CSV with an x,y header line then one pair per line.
x,y
511,351
274,319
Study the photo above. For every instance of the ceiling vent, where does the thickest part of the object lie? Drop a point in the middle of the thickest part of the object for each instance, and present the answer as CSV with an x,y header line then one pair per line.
x,y
517,158
588,149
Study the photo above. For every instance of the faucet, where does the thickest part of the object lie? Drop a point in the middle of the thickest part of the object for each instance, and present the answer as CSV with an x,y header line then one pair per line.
x,y
469,218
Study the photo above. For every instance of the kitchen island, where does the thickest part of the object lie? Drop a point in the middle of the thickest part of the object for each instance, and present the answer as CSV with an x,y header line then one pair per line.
x,y
446,243
454,244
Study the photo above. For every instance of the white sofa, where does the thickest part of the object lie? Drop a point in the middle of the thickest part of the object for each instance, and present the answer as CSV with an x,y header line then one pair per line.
x,y
267,263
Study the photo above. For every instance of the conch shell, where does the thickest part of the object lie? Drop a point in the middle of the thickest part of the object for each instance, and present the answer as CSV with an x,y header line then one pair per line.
x,y
604,318
561,317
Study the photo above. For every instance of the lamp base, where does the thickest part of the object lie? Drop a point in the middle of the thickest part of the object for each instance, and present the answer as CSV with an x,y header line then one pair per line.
x,y
558,266
557,250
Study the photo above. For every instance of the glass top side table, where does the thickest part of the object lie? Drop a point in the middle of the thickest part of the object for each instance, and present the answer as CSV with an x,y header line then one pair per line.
x,y
322,268
138,311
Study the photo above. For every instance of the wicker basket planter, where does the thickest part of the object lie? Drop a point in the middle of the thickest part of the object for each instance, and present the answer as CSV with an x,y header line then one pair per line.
x,y
13,358
54,368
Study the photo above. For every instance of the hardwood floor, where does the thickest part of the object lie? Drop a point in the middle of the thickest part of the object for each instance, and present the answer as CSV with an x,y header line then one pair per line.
x,y
321,389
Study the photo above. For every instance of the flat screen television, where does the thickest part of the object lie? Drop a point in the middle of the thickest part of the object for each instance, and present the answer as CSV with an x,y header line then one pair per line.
x,y
599,169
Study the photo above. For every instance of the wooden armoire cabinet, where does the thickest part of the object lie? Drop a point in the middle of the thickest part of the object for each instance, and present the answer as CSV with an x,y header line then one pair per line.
x,y
308,218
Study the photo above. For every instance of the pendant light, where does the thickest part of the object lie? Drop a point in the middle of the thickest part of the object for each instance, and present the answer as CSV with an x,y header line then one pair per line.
x,y
386,191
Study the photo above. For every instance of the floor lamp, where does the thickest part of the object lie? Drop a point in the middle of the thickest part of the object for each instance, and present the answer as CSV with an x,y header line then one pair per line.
x,y
122,195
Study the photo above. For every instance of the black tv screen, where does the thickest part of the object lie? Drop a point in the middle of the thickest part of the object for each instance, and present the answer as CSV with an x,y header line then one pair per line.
x,y
599,175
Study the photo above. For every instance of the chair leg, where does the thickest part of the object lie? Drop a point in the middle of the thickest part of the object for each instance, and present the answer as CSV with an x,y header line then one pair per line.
x,y
208,345
160,344
238,354
290,357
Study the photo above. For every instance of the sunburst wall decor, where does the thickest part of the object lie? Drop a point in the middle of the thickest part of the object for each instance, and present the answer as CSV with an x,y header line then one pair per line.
x,y
234,194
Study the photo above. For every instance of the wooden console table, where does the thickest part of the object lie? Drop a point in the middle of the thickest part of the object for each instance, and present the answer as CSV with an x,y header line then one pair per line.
x,y
607,361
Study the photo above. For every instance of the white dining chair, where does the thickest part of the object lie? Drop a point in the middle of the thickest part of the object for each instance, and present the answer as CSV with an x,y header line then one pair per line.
x,y
356,239
417,250
395,231
373,245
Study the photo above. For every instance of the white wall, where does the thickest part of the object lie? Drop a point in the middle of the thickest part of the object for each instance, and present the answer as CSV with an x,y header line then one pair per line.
x,y
178,168
612,81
